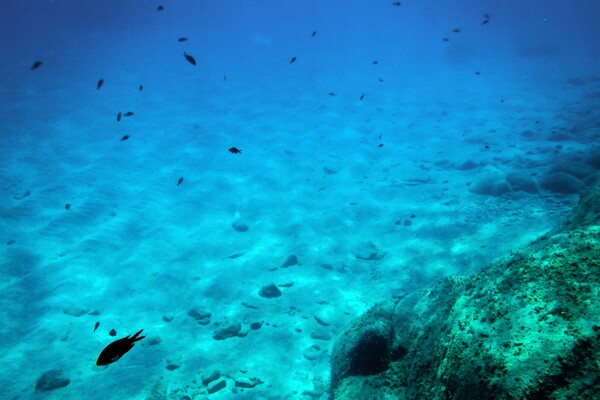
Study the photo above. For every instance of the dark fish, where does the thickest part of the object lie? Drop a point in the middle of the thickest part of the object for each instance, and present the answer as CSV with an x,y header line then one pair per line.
x,y
486,19
234,150
380,145
141,87
117,349
362,96
477,73
180,181
119,115
224,78
456,30
313,34
67,206
124,138
331,94
396,3
128,114
36,65
112,332
380,80
182,39
375,62
160,8
293,60
189,58
100,83
96,326
445,39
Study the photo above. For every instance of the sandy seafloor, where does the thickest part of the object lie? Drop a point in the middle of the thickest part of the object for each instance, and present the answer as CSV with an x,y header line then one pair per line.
x,y
311,181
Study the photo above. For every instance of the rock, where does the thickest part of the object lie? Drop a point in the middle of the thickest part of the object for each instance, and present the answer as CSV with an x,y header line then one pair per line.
x,y
525,327
216,386
240,227
291,260
51,380
561,182
521,181
365,347
269,291
228,330
369,251
321,320
213,376
202,317
112,333
168,317
490,184
75,311
467,166
247,383
312,353
320,334
256,325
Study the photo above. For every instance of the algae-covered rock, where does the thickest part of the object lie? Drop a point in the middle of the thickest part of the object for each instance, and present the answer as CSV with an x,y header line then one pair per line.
x,y
526,327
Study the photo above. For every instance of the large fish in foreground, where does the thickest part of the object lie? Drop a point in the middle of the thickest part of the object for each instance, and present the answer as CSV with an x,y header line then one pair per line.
x,y
116,349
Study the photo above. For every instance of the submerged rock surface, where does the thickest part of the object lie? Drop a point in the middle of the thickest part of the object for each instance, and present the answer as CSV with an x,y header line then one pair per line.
x,y
526,327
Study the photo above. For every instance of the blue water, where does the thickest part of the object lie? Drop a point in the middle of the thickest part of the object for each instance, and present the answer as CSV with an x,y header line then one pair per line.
x,y
375,196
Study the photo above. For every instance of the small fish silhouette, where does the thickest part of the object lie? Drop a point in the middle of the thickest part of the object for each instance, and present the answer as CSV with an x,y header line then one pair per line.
x,y
67,206
124,138
99,84
456,30
36,65
114,351
293,60
182,39
234,150
119,115
362,96
313,34
128,114
96,326
189,58
141,87
375,62
160,8
331,94
396,3
180,181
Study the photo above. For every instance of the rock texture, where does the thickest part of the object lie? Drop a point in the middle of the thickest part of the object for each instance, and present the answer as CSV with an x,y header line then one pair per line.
x,y
526,327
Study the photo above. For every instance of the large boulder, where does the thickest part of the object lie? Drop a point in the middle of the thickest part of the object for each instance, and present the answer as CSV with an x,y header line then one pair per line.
x,y
526,327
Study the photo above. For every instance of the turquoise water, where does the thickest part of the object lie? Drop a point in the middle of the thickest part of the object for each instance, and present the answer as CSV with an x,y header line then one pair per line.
x,y
471,140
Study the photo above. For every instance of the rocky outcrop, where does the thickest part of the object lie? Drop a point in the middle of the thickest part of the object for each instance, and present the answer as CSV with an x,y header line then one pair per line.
x,y
526,327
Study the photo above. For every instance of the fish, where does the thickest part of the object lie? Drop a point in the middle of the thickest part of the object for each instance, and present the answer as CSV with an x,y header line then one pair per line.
x,y
99,84
160,8
124,138
456,30
234,150
362,96
119,115
36,65
486,19
445,39
331,94
96,326
224,78
180,181
67,206
375,62
380,80
128,114
313,34
141,87
182,39
293,60
396,3
190,59
114,351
